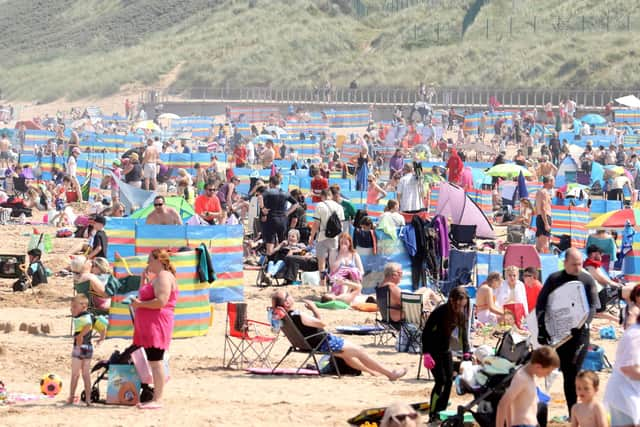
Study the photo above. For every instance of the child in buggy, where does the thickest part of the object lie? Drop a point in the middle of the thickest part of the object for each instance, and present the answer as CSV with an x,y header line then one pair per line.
x,y
281,266
490,380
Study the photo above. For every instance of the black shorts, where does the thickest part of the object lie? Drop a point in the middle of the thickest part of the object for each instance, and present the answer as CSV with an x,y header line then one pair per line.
x,y
274,229
540,230
154,354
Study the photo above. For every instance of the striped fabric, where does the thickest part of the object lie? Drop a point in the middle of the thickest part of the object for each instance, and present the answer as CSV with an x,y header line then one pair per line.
x,y
629,116
253,114
598,207
36,138
313,126
569,220
244,129
347,119
631,262
200,127
359,200
483,199
192,315
305,148
472,122
121,233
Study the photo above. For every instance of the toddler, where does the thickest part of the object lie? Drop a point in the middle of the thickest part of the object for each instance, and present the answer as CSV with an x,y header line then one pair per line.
x,y
83,324
588,412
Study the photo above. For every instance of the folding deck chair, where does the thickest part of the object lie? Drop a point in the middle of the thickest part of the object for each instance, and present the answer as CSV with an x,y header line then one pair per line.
x,y
462,236
242,337
413,314
301,344
388,328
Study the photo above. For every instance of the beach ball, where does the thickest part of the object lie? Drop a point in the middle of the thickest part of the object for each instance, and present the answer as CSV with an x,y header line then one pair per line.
x,y
50,384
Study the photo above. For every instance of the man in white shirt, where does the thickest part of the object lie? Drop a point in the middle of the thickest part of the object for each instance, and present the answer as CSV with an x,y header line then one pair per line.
x,y
251,152
323,211
409,190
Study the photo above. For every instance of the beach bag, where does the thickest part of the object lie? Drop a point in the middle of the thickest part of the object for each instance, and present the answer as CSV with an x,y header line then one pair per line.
x,y
595,360
513,347
334,225
139,358
406,342
20,285
123,387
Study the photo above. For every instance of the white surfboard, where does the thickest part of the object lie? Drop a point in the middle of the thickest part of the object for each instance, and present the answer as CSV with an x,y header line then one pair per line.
x,y
567,308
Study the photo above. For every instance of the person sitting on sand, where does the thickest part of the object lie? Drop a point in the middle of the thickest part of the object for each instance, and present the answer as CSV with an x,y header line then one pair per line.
x,y
345,272
311,327
488,312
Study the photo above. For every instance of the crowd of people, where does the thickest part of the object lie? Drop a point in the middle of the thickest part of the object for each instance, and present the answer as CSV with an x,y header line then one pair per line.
x,y
276,225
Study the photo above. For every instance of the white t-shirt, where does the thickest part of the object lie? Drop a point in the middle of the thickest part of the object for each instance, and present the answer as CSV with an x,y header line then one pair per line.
x,y
506,295
409,190
72,166
622,392
322,214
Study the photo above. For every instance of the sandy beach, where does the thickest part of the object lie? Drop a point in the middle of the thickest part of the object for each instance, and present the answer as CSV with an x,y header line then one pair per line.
x,y
200,392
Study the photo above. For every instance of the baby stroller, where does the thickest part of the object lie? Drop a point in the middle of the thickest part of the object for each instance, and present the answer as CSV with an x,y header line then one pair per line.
x,y
102,367
488,395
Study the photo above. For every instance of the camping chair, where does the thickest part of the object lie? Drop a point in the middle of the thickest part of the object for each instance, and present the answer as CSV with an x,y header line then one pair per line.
x,y
388,328
461,270
242,338
20,187
413,320
462,236
96,303
301,344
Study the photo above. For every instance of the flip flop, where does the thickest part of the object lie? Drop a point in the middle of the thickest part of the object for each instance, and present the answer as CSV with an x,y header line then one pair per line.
x,y
150,406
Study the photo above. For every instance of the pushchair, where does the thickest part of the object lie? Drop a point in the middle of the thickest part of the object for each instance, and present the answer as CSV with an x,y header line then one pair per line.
x,y
102,367
488,395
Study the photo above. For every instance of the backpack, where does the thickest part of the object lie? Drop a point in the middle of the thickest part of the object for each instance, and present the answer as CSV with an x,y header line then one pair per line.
x,y
334,225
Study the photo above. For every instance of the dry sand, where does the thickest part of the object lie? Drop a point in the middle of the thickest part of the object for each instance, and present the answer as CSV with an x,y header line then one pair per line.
x,y
200,392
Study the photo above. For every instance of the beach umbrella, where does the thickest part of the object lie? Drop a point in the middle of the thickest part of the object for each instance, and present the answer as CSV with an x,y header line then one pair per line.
x,y
616,219
523,192
507,170
613,169
168,116
593,119
148,125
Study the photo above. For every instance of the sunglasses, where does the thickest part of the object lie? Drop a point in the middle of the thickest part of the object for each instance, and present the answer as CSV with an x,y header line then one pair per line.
x,y
401,417
211,189
158,204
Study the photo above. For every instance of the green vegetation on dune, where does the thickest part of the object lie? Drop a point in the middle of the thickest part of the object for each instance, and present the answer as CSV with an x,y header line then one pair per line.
x,y
74,49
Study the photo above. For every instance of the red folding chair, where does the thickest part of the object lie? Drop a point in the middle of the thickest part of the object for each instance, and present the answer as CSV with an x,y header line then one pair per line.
x,y
243,339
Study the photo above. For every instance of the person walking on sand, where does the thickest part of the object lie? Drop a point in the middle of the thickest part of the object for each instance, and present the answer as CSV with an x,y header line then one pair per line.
x,y
543,215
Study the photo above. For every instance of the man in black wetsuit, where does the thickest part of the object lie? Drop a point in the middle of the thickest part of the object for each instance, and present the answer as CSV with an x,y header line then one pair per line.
x,y
572,352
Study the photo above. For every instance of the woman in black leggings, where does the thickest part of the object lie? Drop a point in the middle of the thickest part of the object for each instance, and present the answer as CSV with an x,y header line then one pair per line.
x,y
441,325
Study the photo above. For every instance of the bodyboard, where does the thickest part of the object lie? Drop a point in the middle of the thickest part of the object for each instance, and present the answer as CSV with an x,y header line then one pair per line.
x,y
359,329
283,371
567,308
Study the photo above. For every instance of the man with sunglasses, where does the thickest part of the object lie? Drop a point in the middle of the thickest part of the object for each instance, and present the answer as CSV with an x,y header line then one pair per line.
x,y
208,206
163,214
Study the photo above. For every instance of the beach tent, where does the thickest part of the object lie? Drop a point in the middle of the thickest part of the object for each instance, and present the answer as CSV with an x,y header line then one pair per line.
x,y
454,203
567,171
629,101
178,203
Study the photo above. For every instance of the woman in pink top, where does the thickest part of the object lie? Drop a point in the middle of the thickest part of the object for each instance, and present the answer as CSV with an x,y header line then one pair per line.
x,y
375,193
153,326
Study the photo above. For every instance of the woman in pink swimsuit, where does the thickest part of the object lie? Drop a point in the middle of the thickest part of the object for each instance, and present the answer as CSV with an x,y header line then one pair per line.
x,y
153,326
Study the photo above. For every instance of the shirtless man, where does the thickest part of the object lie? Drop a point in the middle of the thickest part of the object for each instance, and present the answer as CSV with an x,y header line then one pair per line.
x,y
543,215
268,155
150,160
546,168
5,146
163,214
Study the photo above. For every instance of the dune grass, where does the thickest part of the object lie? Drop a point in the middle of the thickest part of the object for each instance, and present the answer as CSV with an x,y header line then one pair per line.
x,y
92,48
